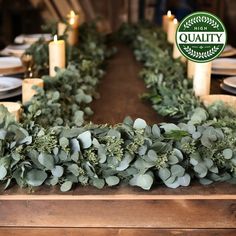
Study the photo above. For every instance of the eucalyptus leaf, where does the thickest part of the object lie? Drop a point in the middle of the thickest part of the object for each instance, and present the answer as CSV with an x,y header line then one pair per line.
x,y
144,181
3,172
85,139
36,177
112,180
46,160
164,173
66,186
57,171
139,124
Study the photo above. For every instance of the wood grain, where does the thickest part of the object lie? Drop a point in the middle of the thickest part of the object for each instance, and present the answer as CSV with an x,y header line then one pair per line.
x,y
125,213
113,232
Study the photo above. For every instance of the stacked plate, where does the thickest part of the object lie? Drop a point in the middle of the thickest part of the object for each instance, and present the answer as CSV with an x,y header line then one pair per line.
x,y
229,84
224,66
10,87
10,66
31,38
15,50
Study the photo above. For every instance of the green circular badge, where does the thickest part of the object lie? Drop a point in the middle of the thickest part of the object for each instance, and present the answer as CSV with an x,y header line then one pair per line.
x,y
201,37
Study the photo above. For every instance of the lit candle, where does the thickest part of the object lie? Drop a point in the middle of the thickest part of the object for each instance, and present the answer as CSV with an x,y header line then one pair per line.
x,y
57,55
14,108
72,31
202,78
172,27
166,19
190,69
27,88
73,20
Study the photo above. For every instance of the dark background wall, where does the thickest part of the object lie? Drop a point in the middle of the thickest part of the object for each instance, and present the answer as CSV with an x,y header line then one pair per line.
x,y
26,16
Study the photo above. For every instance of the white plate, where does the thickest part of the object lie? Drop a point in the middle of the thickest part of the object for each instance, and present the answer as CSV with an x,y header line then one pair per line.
x,y
31,38
11,94
224,64
10,62
230,81
9,83
223,72
16,50
228,89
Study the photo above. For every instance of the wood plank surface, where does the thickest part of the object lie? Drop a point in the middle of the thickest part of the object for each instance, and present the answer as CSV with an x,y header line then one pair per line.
x,y
120,92
119,213
113,232
194,210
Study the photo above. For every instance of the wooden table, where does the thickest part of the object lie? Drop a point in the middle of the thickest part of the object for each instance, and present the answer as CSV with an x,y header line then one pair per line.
x,y
195,210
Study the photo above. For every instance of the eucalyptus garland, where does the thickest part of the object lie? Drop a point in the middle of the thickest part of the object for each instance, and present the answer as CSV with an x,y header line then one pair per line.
x,y
52,147
66,97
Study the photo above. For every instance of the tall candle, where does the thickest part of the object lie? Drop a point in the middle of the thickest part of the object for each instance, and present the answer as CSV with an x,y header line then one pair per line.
x,y
166,19
177,53
57,55
27,88
14,108
202,78
172,27
61,28
72,31
190,69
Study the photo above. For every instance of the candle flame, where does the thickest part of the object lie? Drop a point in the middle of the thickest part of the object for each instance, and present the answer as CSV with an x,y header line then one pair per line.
x,y
175,21
72,21
72,13
169,13
55,38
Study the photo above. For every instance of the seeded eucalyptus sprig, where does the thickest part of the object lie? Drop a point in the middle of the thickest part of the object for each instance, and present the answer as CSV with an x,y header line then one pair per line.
x,y
131,153
42,151
66,97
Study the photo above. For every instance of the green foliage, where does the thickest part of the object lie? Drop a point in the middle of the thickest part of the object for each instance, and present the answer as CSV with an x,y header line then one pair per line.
x,y
52,146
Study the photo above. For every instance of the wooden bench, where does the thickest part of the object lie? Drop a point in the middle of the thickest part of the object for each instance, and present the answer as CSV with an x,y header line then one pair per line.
x,y
195,210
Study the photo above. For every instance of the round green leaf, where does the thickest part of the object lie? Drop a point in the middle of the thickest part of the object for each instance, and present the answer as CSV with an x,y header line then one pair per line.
x,y
98,183
66,186
64,142
164,174
152,155
144,181
36,177
3,172
201,169
139,124
46,160
177,170
85,139
57,171
227,153
112,180
184,180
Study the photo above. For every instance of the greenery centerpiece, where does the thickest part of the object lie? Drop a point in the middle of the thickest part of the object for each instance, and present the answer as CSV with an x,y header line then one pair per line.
x,y
53,144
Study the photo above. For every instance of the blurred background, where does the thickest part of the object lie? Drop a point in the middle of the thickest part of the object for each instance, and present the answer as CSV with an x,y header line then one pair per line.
x,y
25,16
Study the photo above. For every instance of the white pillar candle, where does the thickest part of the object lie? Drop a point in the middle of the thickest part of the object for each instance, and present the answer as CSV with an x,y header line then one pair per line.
x,y
202,79
61,28
177,53
166,19
190,69
172,27
72,31
27,88
14,108
57,55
